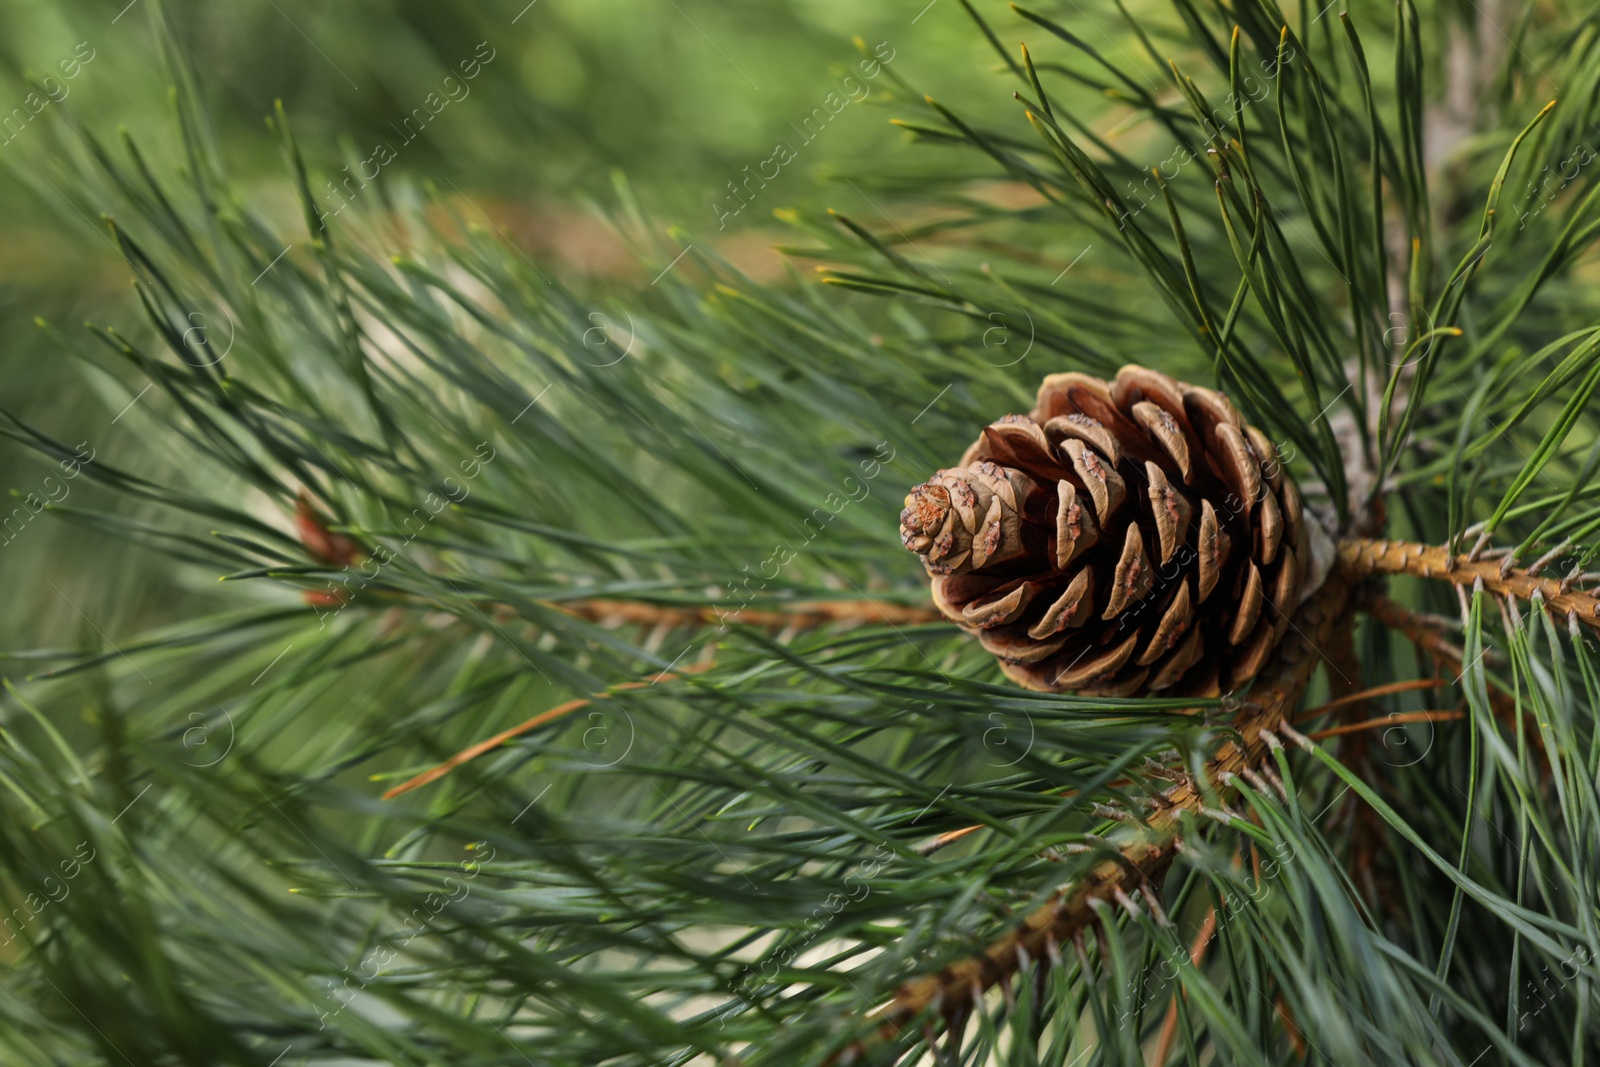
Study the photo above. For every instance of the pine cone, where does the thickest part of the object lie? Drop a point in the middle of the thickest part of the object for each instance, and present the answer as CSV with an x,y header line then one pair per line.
x,y
1126,537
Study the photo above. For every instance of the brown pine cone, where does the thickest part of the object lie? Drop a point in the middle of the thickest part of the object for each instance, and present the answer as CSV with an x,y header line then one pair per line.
x,y
1125,537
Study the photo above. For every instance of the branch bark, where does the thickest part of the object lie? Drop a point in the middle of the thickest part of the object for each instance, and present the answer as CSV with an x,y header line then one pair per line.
x,y
1367,556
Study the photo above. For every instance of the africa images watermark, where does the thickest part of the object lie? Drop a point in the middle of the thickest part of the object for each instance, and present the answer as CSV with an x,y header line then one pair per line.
x,y
34,904
386,950
55,91
410,128
748,977
1544,984
33,504
1222,116
1539,192
1232,506
851,89
784,554
381,556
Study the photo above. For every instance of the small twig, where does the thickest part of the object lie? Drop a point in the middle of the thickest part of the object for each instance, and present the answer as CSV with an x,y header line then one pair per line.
x,y
1368,694
467,755
950,837
1197,954
1289,1025
1398,718
804,616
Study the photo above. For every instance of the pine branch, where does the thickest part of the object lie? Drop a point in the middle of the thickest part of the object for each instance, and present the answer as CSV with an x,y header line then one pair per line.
x,y
637,907
1155,842
1367,556
1361,556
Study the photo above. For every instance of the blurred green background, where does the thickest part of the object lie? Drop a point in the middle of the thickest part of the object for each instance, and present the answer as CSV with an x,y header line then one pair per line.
x,y
683,97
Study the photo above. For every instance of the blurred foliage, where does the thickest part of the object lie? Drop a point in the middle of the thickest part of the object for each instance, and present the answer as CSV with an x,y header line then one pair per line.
x,y
681,96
